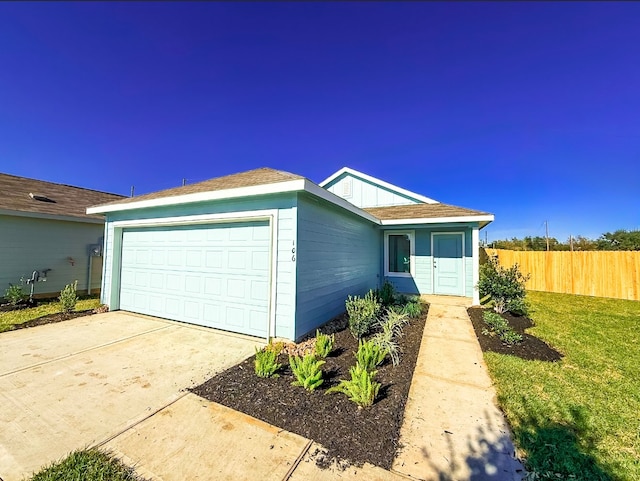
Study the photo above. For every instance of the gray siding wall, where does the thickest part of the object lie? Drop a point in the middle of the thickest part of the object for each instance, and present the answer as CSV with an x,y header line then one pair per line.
x,y
29,243
337,254
422,281
366,194
286,272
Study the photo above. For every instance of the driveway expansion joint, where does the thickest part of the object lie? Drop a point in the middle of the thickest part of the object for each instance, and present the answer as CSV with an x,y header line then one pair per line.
x,y
81,351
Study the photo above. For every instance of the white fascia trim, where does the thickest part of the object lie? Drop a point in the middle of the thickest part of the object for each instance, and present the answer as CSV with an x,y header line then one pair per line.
x,y
39,215
275,188
324,194
379,182
439,220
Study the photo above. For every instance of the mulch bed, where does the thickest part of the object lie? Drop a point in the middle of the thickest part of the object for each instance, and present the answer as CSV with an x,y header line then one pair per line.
x,y
350,435
531,348
51,318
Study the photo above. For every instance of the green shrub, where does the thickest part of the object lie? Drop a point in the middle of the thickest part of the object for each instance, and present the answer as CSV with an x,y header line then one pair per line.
x,y
362,312
498,325
369,355
324,344
510,337
266,361
518,307
68,298
504,285
386,294
412,309
14,294
361,388
307,371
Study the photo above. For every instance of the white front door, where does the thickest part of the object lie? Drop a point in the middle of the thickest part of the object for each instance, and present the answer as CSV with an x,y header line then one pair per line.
x,y
448,263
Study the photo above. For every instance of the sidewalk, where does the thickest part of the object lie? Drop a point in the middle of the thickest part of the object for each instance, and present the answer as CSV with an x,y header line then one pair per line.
x,y
452,430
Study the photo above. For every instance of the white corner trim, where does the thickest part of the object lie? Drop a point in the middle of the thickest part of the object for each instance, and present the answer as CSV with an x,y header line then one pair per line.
x,y
379,182
274,188
475,273
412,253
439,220
324,194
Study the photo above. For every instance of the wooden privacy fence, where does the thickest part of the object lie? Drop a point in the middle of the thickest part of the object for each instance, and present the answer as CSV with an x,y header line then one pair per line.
x,y
591,273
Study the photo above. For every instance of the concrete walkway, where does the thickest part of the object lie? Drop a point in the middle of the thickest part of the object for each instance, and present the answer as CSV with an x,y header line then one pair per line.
x,y
452,428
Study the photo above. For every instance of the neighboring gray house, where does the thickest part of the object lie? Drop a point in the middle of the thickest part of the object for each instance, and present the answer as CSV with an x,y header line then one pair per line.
x,y
44,228
272,254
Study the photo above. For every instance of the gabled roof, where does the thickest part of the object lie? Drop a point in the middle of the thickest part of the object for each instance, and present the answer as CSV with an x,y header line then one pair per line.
x,y
253,182
394,188
427,214
37,198
265,181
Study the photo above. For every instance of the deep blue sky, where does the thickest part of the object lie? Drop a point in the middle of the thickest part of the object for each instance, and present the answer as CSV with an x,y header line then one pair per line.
x,y
528,110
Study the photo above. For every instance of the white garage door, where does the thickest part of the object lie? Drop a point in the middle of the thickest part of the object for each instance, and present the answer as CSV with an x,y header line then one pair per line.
x,y
214,275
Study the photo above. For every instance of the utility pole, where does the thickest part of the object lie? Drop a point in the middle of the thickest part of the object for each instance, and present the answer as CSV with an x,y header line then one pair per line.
x,y
184,182
571,242
546,232
132,189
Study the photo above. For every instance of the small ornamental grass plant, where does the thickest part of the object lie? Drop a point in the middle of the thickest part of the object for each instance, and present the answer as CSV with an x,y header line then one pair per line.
x,y
324,344
266,361
307,370
361,388
362,313
68,298
498,325
14,294
391,326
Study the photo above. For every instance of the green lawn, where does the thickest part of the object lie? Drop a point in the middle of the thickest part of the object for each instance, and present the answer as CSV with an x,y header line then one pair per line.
x,y
10,318
579,418
87,465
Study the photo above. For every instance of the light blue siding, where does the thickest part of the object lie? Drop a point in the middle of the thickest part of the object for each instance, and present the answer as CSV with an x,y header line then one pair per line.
x,y
363,193
422,280
285,205
337,255
30,243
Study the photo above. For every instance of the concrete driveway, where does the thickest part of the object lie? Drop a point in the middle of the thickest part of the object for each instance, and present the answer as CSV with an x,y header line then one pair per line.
x,y
82,382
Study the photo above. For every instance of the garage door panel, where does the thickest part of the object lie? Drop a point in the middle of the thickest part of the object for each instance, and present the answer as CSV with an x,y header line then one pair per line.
x,y
212,275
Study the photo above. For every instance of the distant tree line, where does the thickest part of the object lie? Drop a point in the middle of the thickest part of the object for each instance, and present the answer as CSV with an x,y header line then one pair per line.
x,y
620,240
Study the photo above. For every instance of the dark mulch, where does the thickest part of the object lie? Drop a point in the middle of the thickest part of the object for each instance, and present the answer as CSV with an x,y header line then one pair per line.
x,y
351,435
531,348
51,318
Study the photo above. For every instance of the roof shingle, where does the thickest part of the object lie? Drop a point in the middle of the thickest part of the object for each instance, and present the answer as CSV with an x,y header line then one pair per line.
x,y
64,200
421,211
249,178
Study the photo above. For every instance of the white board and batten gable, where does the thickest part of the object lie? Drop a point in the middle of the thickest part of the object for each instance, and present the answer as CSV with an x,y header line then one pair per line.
x,y
365,191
